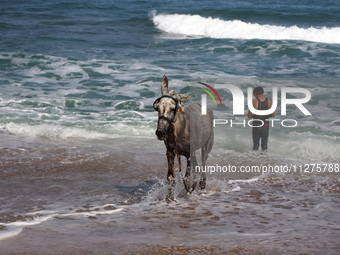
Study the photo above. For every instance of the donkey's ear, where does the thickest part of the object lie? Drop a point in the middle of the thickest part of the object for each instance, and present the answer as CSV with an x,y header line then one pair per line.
x,y
182,97
164,86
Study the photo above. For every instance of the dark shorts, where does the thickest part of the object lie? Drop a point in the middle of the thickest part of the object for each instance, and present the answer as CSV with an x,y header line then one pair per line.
x,y
260,133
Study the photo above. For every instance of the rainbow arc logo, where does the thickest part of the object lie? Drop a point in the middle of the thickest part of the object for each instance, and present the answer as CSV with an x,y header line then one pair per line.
x,y
204,97
209,93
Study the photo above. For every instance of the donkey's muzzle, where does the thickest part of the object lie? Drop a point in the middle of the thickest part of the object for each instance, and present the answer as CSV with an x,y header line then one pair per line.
x,y
160,134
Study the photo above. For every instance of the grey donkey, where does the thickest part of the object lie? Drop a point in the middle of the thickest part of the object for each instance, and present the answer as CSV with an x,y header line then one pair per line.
x,y
184,130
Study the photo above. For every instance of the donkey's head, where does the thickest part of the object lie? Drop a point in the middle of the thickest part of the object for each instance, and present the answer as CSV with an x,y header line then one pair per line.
x,y
167,106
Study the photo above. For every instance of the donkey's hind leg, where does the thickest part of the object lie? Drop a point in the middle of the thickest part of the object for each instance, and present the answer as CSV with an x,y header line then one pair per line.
x,y
186,179
205,151
203,176
194,173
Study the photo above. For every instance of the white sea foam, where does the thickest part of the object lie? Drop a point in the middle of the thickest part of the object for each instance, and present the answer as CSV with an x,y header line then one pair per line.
x,y
322,148
58,132
195,25
15,228
53,131
9,233
285,146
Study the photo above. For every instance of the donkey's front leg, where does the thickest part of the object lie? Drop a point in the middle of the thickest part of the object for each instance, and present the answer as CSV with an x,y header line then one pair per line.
x,y
171,176
171,168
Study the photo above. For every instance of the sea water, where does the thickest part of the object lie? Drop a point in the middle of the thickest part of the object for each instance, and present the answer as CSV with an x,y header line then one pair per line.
x,y
81,169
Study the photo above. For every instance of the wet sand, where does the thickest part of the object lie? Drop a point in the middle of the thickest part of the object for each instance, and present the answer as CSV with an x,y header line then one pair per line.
x,y
88,199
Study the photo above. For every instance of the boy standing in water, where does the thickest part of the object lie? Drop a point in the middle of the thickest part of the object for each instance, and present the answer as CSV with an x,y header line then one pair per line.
x,y
261,126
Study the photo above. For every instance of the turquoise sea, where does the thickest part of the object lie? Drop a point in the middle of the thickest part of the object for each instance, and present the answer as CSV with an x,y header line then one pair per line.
x,y
81,170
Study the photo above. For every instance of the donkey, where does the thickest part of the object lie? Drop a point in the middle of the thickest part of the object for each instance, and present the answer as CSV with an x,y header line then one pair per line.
x,y
184,131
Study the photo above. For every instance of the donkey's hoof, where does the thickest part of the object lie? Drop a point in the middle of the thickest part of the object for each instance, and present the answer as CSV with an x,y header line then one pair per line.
x,y
202,184
193,187
171,181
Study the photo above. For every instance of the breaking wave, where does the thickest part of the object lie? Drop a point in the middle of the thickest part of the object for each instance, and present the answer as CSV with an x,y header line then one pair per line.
x,y
196,25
